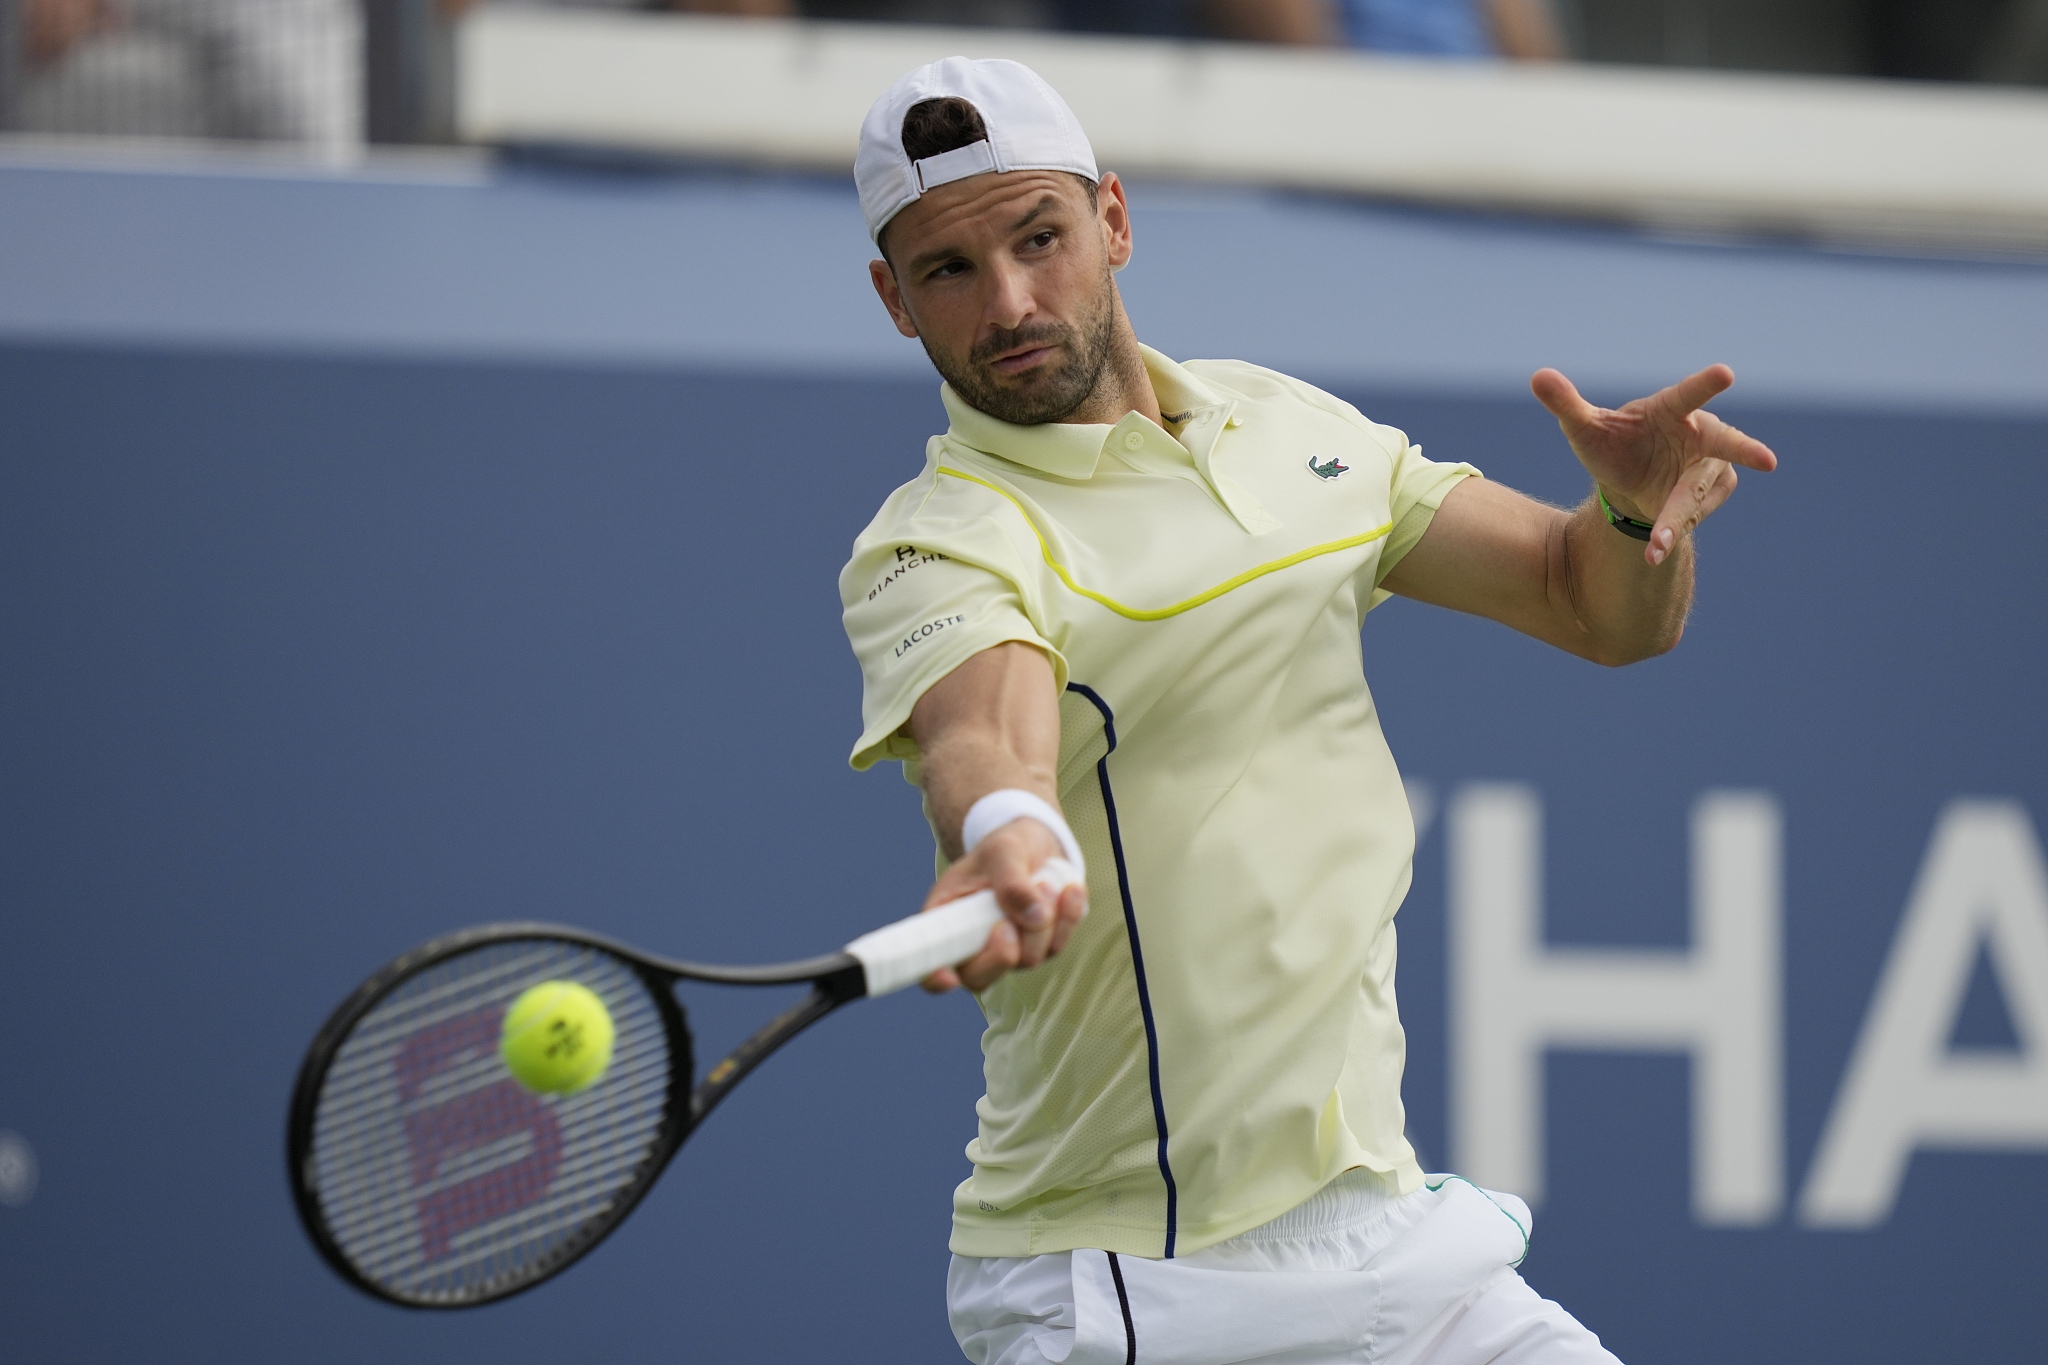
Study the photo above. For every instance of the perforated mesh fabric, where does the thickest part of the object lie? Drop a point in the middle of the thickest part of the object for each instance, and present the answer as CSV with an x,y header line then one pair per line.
x,y
441,1178
1068,1140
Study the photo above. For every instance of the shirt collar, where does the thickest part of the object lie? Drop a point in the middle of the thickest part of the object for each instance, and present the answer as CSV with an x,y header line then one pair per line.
x,y
1071,450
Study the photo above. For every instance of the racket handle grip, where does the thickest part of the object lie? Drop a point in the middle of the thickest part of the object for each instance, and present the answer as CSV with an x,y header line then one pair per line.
x,y
901,954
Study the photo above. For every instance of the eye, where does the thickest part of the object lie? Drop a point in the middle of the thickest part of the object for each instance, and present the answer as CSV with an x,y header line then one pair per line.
x,y
950,269
1043,239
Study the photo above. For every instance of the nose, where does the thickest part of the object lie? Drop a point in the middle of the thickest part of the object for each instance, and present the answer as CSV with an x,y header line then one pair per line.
x,y
1010,302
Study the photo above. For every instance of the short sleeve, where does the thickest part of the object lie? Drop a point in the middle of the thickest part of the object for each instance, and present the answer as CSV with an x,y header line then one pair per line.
x,y
1418,490
913,614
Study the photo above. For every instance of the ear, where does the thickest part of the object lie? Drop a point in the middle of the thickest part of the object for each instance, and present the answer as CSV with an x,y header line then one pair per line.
x,y
883,276
1113,211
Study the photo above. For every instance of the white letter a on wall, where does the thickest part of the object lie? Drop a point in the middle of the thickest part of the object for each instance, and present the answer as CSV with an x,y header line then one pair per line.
x,y
1982,883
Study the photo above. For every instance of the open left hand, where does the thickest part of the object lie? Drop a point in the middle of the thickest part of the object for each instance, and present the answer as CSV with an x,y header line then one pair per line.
x,y
1660,456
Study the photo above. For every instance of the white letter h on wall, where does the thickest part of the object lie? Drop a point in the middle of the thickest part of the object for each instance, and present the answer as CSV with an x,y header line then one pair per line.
x,y
1511,997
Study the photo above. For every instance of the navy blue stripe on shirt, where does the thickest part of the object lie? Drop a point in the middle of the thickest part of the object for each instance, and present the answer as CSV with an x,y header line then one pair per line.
x,y
1123,886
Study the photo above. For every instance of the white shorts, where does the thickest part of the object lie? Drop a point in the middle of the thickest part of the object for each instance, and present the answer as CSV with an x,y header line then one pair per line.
x,y
1353,1275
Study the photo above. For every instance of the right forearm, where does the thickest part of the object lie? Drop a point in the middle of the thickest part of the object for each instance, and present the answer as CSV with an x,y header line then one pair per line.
x,y
992,723
967,768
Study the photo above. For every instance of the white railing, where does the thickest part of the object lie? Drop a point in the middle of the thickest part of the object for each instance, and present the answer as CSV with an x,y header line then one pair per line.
x,y
1826,157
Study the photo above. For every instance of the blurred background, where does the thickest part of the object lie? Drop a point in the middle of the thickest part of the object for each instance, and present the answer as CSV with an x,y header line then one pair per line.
x,y
334,74
430,433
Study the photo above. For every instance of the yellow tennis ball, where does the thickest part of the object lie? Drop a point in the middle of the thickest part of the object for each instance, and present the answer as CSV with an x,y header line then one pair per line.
x,y
557,1037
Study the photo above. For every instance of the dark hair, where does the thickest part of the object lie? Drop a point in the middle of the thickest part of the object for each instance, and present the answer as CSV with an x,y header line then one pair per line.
x,y
944,125
941,125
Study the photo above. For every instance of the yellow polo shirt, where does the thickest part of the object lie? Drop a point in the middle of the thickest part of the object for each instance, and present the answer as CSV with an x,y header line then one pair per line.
x,y
1220,1038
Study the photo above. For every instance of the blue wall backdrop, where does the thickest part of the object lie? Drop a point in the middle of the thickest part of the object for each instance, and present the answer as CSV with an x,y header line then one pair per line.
x,y
309,658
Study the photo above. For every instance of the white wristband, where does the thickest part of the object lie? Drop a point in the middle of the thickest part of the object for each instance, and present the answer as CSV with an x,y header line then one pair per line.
x,y
999,808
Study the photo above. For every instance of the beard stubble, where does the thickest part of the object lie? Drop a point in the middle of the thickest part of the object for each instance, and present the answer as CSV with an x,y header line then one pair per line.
x,y
1051,393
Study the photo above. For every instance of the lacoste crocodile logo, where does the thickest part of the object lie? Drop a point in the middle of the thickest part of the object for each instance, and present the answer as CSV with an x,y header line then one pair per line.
x,y
1329,470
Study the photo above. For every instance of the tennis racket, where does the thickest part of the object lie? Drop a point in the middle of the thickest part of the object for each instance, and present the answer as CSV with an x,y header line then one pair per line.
x,y
428,1176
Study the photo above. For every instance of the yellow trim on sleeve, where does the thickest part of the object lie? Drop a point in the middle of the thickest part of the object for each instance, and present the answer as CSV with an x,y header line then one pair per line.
x,y
1160,614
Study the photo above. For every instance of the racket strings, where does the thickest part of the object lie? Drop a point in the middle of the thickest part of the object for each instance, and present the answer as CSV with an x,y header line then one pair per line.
x,y
440,1178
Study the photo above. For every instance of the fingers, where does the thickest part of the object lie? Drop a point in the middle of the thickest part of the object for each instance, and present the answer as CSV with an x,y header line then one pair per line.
x,y
1696,390
1704,487
1710,477
1005,951
1039,919
1073,908
1009,859
1723,442
1001,955
1557,393
1666,436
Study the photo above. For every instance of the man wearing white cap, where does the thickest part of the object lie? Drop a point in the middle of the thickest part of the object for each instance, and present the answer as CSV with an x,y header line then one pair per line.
x,y
1116,619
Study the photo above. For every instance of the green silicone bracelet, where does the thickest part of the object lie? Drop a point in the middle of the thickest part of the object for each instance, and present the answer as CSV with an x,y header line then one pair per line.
x,y
1628,526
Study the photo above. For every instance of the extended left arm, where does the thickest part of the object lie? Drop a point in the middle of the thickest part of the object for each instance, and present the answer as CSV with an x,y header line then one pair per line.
x,y
1569,578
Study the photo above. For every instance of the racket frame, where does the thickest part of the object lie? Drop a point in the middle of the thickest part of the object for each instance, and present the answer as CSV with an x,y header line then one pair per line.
x,y
836,978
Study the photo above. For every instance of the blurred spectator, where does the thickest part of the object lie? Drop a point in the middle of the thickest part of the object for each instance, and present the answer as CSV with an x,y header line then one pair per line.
x,y
1525,30
1153,18
1303,22
288,70
1522,29
975,13
746,9
752,9
51,28
1454,28
1308,22
978,13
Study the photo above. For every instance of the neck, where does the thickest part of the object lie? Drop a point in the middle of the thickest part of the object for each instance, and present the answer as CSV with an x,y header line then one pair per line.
x,y
1125,385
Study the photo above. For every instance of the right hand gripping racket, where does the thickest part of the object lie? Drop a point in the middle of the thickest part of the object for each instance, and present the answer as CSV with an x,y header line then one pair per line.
x,y
428,1176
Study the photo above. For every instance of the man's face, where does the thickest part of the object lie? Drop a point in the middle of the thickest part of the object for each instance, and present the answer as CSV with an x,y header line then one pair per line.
x,y
1006,280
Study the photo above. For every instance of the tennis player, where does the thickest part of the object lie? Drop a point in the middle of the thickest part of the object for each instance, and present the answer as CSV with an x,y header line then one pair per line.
x,y
1117,618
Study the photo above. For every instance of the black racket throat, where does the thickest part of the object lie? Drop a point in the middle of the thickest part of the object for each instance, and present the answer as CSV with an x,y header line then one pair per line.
x,y
828,995
427,1176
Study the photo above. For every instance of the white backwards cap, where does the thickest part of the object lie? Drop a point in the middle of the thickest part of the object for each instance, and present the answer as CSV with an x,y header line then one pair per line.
x,y
1029,127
